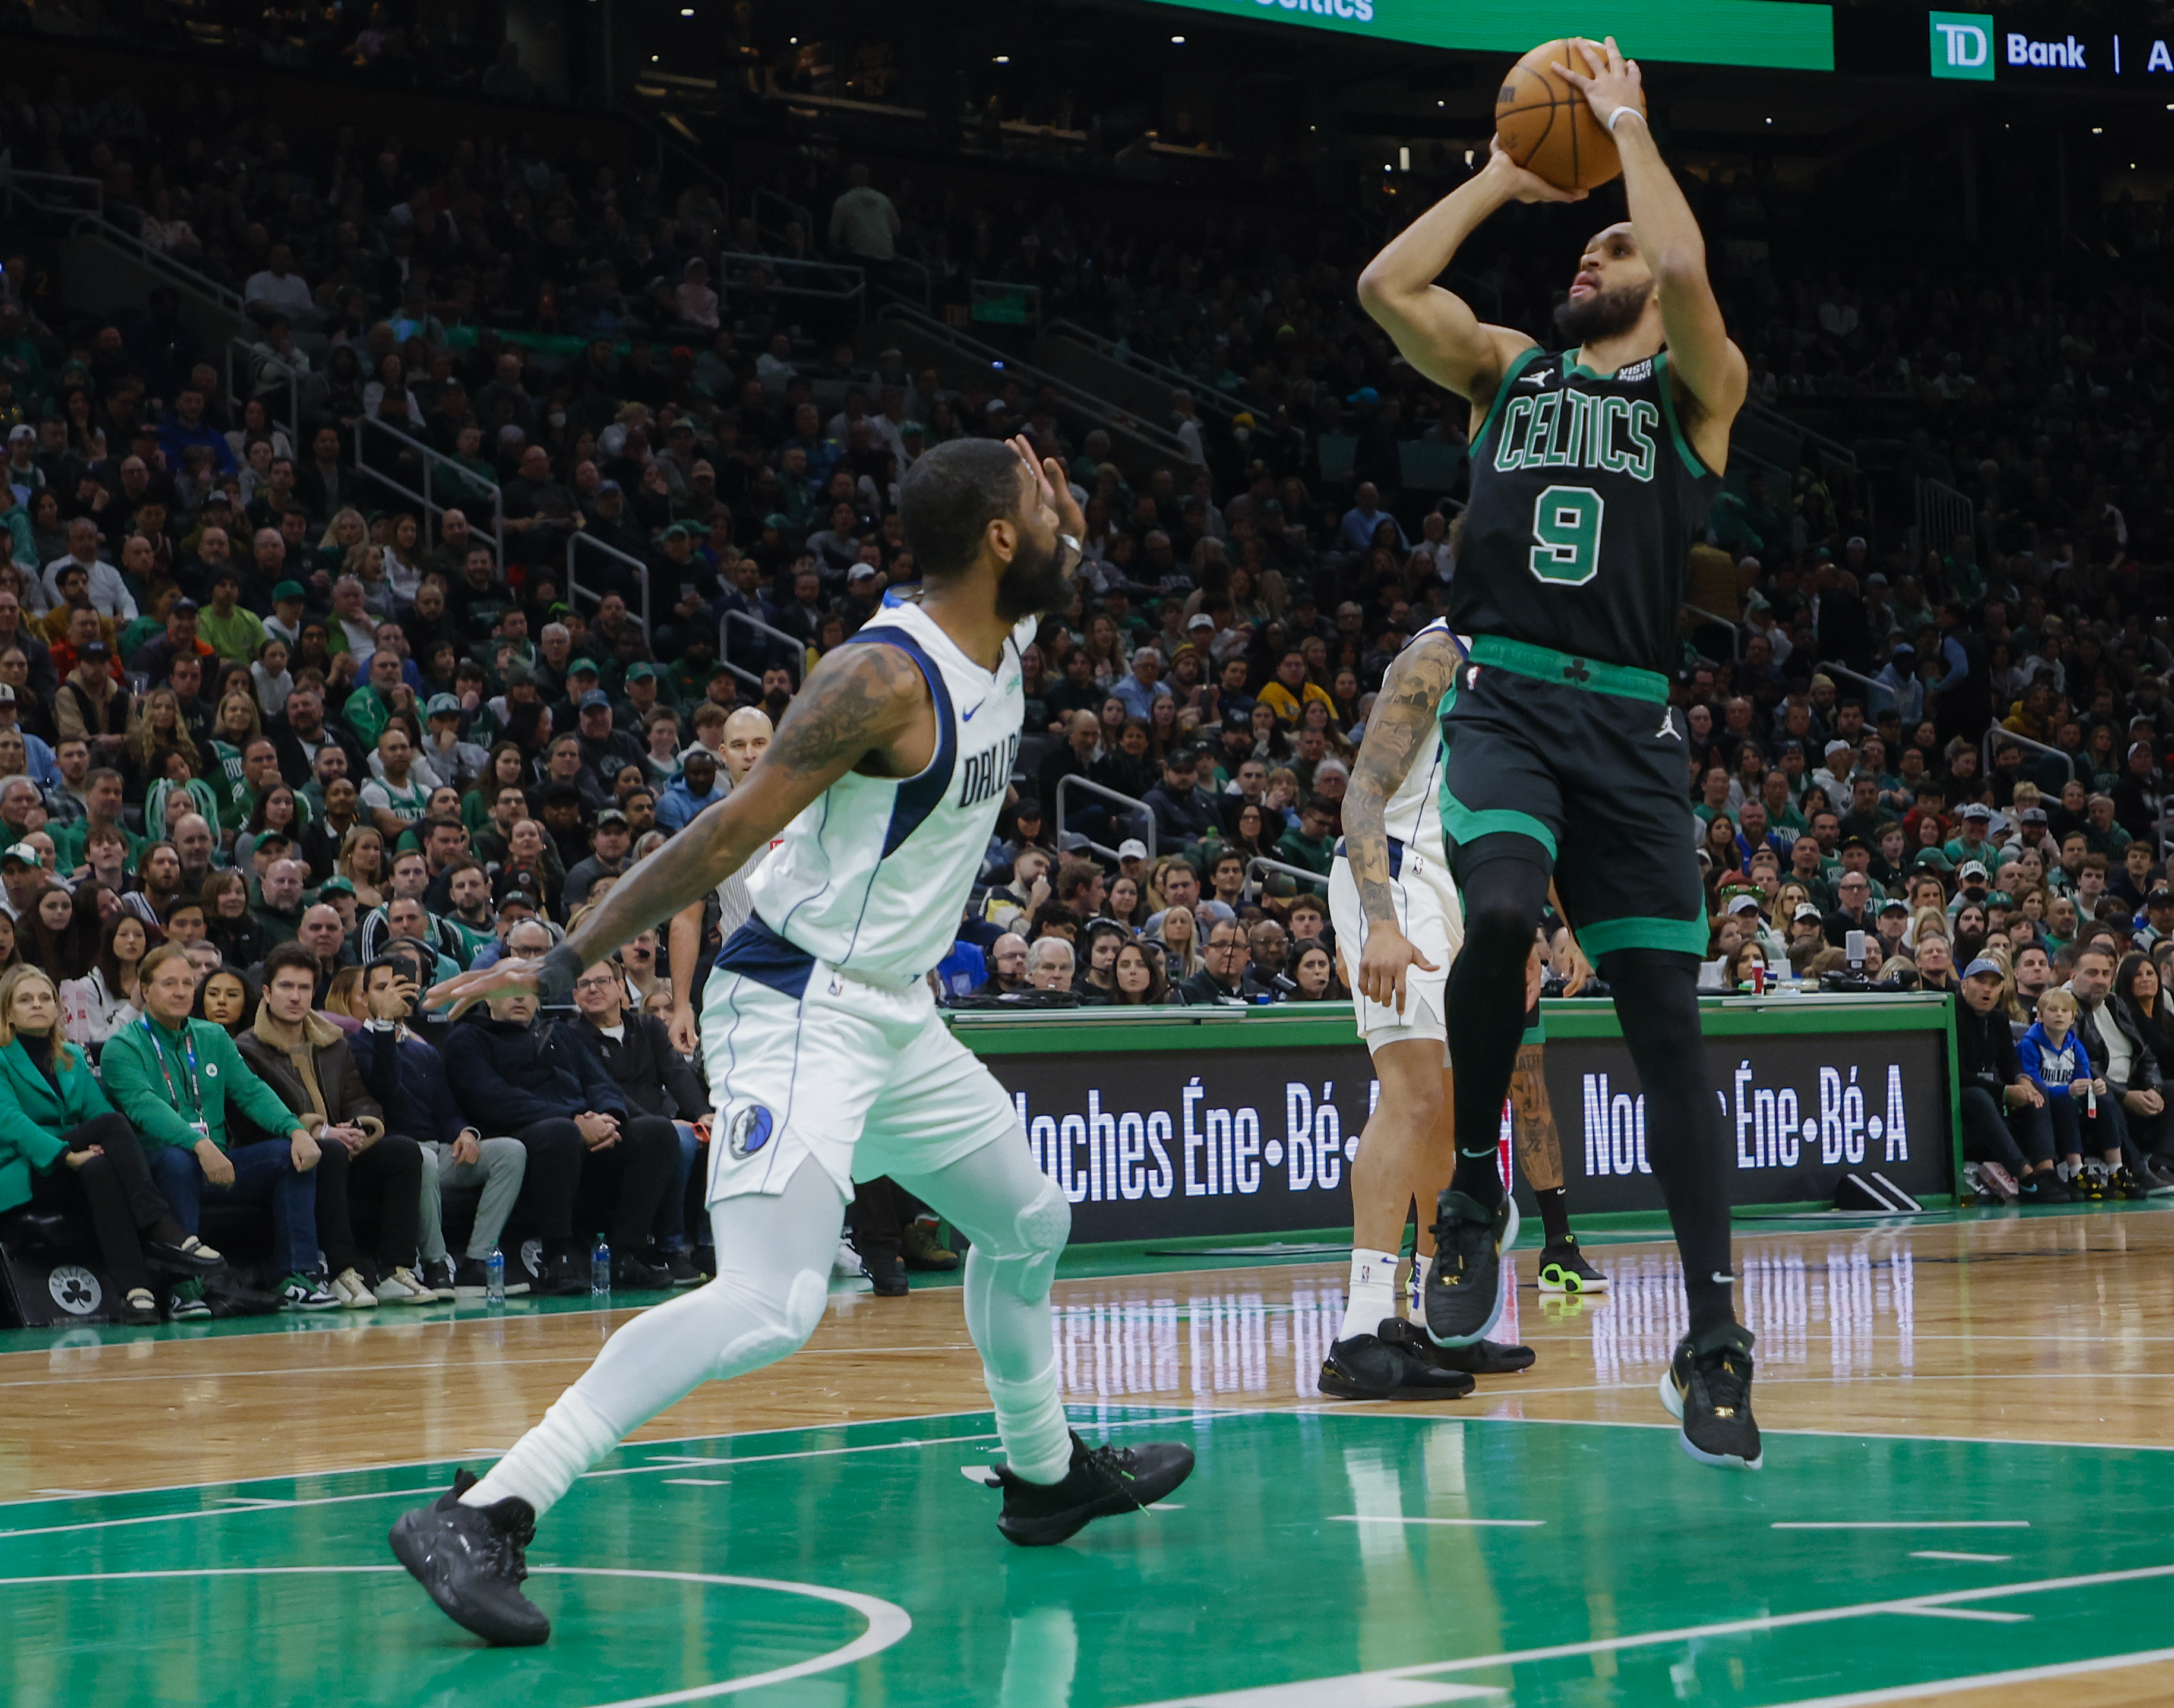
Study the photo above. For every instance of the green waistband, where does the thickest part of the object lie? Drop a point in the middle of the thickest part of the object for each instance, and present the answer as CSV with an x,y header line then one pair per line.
x,y
1548,665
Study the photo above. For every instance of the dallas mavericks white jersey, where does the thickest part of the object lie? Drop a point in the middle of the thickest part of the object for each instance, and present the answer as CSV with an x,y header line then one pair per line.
x,y
870,878
1413,815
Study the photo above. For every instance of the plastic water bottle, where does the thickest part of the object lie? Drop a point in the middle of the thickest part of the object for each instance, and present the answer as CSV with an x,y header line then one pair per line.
x,y
493,1277
600,1269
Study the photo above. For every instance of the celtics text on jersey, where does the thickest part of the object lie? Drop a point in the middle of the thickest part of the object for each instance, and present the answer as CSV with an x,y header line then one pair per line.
x,y
1586,500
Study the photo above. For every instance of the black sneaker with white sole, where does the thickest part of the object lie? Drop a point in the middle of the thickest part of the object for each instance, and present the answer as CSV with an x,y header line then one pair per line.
x,y
1101,1482
1463,1294
1564,1268
1396,1362
1708,1389
472,1560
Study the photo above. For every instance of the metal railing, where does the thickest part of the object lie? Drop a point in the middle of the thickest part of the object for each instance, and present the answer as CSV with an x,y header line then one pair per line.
x,y
1099,410
259,360
763,198
1716,620
1943,513
43,192
748,619
431,458
578,540
1871,683
848,284
2000,733
1131,804
1205,397
1263,864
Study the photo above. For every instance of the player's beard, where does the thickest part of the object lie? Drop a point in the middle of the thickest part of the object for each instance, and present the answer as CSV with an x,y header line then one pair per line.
x,y
1035,582
1604,314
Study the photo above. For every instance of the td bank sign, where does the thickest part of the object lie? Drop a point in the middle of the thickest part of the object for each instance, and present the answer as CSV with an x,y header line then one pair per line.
x,y
1962,45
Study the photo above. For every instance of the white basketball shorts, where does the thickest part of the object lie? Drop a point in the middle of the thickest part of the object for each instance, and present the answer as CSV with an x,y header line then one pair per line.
x,y
1430,916
805,1060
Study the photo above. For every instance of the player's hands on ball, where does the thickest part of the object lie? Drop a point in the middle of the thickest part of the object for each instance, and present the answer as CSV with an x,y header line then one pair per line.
x,y
1606,78
1386,962
1521,185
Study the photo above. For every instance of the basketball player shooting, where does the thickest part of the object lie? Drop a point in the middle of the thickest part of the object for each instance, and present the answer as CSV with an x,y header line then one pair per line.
x,y
1591,472
824,1049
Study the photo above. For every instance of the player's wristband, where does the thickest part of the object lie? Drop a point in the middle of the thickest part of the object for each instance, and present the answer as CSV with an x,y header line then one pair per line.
x,y
1619,112
555,979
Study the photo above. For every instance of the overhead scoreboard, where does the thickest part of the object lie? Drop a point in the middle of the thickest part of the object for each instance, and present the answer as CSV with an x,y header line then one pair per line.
x,y
1777,34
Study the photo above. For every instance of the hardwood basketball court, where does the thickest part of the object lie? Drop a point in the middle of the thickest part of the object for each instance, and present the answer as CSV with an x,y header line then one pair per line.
x,y
1967,1498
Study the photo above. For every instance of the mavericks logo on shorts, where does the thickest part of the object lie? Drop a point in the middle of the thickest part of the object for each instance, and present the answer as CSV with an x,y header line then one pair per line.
x,y
749,1131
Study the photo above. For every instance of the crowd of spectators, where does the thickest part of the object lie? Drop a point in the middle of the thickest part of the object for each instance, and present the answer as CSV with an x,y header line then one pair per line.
x,y
261,729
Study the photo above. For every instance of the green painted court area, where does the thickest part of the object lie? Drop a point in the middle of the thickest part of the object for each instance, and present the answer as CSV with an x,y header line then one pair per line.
x,y
1352,1560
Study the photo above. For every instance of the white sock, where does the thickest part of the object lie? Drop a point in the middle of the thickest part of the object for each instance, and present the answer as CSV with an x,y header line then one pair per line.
x,y
545,1461
1030,1422
1373,1295
1415,1298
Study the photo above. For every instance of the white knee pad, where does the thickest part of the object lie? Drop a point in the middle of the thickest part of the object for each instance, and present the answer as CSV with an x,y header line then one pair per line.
x,y
781,1326
1039,1233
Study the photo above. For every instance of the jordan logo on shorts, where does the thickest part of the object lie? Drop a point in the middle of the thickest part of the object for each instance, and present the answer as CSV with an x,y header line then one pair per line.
x,y
1669,725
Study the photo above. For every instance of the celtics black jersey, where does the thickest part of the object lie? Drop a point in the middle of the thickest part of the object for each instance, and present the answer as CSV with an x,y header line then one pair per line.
x,y
1586,500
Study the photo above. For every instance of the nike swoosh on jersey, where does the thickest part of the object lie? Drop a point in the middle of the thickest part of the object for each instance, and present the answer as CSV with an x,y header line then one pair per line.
x,y
967,716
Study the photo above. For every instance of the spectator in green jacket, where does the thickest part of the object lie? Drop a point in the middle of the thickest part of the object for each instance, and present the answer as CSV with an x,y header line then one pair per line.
x,y
174,1079
1309,843
62,1146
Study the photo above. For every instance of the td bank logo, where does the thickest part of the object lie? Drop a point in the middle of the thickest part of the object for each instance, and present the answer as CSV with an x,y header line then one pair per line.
x,y
1962,45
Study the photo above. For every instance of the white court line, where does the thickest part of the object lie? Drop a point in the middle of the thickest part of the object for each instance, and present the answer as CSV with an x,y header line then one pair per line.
x,y
1907,1524
648,1466
1943,1554
1984,1681
1990,1618
698,1482
1469,1523
887,1622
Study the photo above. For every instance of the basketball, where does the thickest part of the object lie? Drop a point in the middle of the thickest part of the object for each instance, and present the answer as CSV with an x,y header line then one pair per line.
x,y
1546,125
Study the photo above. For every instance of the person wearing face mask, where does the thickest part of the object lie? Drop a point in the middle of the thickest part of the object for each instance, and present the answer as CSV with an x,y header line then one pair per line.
x,y
62,1146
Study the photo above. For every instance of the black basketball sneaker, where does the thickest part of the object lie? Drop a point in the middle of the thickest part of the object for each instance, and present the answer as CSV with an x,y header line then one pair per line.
x,y
1395,1363
1564,1269
472,1560
1102,1481
1707,1388
1484,1357
1464,1288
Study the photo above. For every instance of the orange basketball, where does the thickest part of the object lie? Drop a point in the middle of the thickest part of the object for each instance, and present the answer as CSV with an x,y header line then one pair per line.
x,y
1547,127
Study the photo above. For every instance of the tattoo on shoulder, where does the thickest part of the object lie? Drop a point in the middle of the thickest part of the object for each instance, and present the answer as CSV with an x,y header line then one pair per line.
x,y
1403,711
848,705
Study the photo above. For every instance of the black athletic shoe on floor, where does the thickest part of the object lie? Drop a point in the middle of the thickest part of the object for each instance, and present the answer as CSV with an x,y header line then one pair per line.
x,y
1464,1288
889,1274
681,1267
190,1257
631,1273
2044,1186
472,1560
1485,1358
1393,1364
1564,1269
1708,1389
1103,1481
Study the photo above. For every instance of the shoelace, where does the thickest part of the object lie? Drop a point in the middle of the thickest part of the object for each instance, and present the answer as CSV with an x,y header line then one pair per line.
x,y
1454,1237
1119,1464
1728,1383
507,1549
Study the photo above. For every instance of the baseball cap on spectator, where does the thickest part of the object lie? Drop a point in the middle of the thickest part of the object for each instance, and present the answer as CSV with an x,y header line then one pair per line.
x,y
6,695
1972,869
2032,814
642,670
1365,395
517,896
1895,904
778,519
596,700
1932,859
1853,840
611,815
1983,965
335,886
604,487
289,593
1133,848
1747,904
1978,809
862,571
442,706
21,429
1072,842
1805,910
1875,579
1200,620
92,649
2160,898
1837,747
584,667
